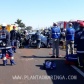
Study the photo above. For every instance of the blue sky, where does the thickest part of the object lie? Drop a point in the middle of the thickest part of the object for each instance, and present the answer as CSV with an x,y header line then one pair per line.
x,y
40,13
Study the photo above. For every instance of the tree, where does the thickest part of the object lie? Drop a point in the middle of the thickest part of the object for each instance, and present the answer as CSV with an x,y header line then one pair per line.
x,y
20,23
29,27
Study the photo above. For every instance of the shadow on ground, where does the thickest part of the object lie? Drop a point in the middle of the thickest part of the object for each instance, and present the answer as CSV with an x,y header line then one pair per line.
x,y
33,56
63,74
6,65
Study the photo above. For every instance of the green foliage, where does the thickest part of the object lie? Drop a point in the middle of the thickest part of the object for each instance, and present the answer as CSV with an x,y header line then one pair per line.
x,y
20,23
29,28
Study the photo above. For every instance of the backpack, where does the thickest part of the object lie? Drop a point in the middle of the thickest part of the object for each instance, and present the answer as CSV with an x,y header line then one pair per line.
x,y
49,64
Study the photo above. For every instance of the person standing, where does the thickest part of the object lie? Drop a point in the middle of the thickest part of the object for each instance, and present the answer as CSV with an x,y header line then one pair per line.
x,y
55,35
70,33
14,37
38,39
6,45
80,44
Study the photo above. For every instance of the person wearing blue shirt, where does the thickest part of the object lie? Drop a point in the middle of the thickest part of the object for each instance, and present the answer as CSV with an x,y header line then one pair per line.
x,y
55,35
70,33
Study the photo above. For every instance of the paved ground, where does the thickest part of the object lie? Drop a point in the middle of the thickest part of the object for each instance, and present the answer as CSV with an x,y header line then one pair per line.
x,y
29,69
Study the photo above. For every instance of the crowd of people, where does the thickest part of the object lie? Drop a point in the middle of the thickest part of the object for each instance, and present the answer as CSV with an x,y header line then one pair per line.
x,y
70,36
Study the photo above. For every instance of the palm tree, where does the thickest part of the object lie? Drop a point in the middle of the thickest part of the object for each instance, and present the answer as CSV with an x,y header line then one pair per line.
x,y
29,27
20,23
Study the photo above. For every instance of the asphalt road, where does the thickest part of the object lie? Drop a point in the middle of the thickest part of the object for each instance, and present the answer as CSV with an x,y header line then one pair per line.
x,y
29,69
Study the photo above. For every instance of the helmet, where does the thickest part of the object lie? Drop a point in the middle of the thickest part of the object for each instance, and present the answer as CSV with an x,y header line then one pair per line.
x,y
55,24
81,24
70,24
4,25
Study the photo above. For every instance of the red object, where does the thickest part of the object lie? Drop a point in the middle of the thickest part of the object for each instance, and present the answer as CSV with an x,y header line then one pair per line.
x,y
69,62
65,23
81,24
7,56
13,46
14,26
62,24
